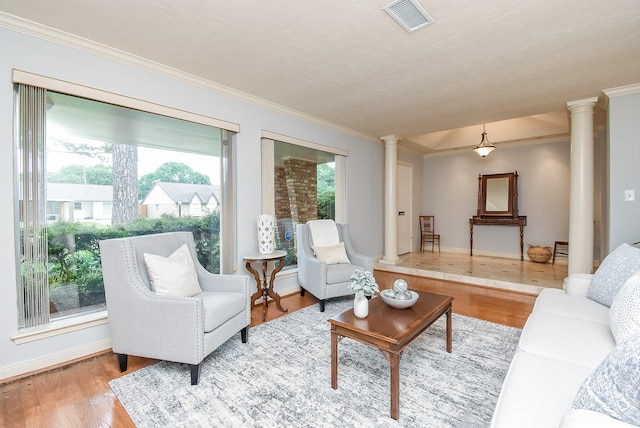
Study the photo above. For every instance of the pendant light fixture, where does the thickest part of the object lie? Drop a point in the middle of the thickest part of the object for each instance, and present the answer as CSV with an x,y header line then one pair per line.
x,y
485,147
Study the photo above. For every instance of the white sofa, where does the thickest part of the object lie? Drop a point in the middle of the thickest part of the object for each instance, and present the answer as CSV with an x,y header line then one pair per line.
x,y
565,339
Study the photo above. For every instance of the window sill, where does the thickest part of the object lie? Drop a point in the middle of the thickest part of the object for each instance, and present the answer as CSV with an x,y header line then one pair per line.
x,y
58,327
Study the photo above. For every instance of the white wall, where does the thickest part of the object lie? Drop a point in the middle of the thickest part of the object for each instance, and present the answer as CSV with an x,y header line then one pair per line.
x,y
624,169
36,55
450,192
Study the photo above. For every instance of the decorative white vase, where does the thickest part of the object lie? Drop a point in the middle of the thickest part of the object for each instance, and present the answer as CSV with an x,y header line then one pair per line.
x,y
266,224
361,307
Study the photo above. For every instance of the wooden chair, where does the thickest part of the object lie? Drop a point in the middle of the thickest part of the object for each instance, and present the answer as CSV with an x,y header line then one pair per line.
x,y
427,232
560,248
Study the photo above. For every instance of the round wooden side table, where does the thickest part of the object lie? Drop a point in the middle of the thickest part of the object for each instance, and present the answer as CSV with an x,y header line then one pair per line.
x,y
264,283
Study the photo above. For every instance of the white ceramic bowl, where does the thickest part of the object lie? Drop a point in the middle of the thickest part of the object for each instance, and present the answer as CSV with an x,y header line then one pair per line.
x,y
397,303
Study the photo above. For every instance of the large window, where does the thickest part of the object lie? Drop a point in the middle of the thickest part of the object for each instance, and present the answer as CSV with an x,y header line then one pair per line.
x,y
306,185
90,170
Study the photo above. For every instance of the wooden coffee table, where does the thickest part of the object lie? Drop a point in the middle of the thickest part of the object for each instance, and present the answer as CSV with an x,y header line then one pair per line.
x,y
390,330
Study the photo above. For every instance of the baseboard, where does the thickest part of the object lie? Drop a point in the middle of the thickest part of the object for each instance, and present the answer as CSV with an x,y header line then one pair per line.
x,y
54,360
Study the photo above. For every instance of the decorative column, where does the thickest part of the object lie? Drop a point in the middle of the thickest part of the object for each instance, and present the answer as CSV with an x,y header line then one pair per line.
x,y
390,200
581,186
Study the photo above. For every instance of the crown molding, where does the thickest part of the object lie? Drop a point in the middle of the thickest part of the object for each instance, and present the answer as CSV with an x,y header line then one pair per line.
x,y
35,29
622,90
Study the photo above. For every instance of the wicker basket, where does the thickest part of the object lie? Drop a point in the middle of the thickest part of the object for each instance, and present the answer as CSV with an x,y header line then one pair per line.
x,y
539,254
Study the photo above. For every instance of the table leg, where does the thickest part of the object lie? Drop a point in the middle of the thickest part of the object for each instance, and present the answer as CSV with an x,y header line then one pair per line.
x,y
258,292
448,313
265,290
394,366
471,239
334,360
275,296
521,242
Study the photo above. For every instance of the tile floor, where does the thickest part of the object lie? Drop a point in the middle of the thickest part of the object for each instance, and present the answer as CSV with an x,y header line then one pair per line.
x,y
499,272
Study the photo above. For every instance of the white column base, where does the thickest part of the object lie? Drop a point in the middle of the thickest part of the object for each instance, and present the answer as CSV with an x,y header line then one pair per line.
x,y
384,261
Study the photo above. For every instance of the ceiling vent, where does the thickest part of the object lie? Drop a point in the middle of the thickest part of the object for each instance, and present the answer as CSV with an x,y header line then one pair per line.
x,y
409,13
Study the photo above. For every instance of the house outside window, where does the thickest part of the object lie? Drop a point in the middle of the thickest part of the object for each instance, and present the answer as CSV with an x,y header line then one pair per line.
x,y
83,157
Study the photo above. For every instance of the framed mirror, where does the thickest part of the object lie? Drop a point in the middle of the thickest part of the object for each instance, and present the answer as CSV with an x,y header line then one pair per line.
x,y
498,195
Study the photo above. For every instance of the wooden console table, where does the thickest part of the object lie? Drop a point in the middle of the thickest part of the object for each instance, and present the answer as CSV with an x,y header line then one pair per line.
x,y
497,221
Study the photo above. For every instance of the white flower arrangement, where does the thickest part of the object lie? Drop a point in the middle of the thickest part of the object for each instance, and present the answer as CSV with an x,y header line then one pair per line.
x,y
363,283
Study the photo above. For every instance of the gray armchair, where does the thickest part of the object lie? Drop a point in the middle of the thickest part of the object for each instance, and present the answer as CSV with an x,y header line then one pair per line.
x,y
320,279
165,327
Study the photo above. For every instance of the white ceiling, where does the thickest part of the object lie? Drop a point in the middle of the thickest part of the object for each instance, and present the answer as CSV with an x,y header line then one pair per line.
x,y
349,63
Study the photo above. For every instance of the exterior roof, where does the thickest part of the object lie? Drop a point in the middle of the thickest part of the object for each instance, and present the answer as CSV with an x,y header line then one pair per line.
x,y
79,192
185,192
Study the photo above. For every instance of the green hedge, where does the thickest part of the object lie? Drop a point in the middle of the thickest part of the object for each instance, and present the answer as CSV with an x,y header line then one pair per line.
x,y
74,253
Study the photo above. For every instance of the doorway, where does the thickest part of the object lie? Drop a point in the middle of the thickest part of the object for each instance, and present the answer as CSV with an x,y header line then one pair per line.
x,y
405,214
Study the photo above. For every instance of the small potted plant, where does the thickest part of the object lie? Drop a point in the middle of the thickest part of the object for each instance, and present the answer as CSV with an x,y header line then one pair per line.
x,y
365,286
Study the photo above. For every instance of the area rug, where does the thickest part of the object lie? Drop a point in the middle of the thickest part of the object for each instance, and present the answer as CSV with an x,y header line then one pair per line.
x,y
282,377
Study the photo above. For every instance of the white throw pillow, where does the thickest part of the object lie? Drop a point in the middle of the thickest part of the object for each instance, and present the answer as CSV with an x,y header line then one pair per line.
x,y
614,271
332,255
614,386
174,275
624,315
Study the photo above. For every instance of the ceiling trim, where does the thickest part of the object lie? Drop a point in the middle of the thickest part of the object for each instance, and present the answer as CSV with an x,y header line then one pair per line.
x,y
76,42
622,90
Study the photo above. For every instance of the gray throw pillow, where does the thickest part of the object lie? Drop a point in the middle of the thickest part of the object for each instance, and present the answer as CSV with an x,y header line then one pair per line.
x,y
614,271
614,386
624,315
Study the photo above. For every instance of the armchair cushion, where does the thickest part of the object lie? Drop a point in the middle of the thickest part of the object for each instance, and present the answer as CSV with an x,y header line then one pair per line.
x,y
341,272
220,307
174,275
331,255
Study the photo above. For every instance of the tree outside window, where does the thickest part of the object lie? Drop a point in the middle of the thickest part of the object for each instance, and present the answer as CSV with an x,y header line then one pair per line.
x,y
102,163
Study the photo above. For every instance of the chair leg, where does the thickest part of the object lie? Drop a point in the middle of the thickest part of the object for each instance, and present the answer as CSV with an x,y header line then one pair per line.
x,y
321,302
122,362
195,373
244,334
302,291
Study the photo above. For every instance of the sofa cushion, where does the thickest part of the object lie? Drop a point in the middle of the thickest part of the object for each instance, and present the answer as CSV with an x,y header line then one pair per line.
x,y
220,307
573,340
331,255
614,386
555,301
614,271
625,310
580,418
174,275
537,392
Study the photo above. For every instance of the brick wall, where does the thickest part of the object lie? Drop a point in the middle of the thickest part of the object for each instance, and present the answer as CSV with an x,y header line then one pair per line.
x,y
302,189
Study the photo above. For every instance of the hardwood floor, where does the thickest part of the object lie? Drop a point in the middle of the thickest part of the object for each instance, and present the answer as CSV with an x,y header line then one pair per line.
x,y
78,395
501,306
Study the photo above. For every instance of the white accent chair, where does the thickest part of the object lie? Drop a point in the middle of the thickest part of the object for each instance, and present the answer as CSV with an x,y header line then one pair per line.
x,y
165,327
324,280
